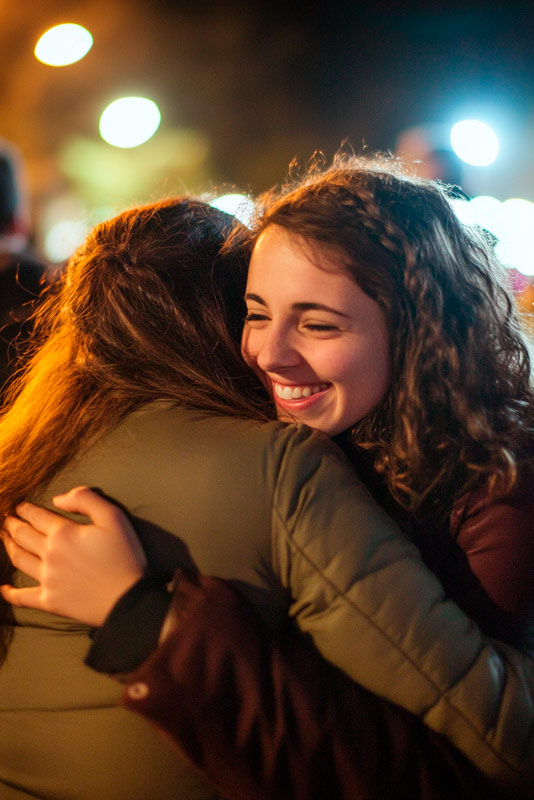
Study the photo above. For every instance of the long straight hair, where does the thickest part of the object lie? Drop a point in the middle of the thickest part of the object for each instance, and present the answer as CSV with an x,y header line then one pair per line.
x,y
149,308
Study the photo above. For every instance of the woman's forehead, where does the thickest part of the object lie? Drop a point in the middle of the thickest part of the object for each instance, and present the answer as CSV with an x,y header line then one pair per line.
x,y
276,242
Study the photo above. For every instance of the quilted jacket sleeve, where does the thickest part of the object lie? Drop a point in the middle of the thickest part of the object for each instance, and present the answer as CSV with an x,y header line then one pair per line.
x,y
360,591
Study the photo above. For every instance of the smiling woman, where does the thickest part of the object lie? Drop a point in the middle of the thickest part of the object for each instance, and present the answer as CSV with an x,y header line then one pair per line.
x,y
317,341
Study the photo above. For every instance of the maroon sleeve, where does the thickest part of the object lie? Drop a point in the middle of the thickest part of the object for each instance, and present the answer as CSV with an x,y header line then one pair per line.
x,y
264,717
497,538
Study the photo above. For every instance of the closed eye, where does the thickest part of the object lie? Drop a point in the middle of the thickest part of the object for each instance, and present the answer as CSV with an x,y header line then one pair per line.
x,y
253,316
315,326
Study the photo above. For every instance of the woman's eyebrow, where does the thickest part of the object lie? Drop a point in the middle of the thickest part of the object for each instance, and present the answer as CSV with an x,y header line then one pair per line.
x,y
318,307
256,298
299,306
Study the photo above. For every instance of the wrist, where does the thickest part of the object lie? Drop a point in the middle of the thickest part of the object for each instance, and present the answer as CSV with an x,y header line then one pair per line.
x,y
131,629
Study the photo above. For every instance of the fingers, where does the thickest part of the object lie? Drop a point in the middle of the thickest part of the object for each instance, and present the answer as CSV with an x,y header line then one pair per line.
x,y
82,500
29,597
42,520
24,535
22,559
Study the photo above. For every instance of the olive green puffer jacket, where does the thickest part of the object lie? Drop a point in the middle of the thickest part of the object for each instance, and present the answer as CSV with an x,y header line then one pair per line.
x,y
276,510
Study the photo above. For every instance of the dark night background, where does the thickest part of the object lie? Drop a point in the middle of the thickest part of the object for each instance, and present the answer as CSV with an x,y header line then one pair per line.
x,y
245,88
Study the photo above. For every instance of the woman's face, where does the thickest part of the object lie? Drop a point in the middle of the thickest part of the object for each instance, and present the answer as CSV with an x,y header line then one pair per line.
x,y
316,340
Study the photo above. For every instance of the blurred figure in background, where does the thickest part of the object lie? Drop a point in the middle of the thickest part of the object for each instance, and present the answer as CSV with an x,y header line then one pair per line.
x,y
21,274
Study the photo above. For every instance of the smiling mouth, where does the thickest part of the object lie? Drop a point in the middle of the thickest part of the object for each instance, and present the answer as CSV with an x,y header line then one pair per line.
x,y
286,392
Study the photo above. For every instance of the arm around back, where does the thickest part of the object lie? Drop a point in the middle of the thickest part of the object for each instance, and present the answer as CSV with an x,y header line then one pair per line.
x,y
265,718
360,590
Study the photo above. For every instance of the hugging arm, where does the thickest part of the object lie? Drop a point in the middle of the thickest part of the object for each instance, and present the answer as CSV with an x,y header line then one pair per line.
x,y
476,692
371,607
81,571
269,719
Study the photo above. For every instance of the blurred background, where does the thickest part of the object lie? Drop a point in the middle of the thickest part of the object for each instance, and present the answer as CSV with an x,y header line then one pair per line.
x,y
240,89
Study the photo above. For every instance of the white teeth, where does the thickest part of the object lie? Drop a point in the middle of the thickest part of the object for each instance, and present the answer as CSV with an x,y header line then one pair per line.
x,y
296,392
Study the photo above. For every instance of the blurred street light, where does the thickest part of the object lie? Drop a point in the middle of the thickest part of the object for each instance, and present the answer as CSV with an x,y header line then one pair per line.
x,y
475,142
63,44
129,121
239,205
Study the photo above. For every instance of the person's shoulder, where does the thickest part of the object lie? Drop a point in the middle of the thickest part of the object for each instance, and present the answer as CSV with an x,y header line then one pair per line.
x,y
165,415
520,497
170,425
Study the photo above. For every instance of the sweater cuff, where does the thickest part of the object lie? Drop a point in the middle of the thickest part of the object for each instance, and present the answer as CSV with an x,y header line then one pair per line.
x,y
132,628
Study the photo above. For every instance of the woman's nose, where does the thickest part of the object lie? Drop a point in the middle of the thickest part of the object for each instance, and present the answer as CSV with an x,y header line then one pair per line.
x,y
276,351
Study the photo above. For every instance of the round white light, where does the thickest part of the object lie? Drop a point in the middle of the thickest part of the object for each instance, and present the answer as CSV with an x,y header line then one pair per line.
x,y
129,121
486,211
63,44
512,222
475,142
239,205
462,209
516,235
517,254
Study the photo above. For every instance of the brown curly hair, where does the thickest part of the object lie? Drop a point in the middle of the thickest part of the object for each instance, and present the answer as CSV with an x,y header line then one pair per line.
x,y
149,308
459,412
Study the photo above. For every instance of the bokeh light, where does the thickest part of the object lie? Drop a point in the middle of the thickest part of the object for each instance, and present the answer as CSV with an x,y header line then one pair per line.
x,y
63,238
516,235
512,224
63,44
129,121
474,142
66,220
239,205
482,210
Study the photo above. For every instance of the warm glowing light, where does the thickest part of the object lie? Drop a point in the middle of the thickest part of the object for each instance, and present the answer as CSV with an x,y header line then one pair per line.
x,y
239,205
129,121
475,142
63,44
